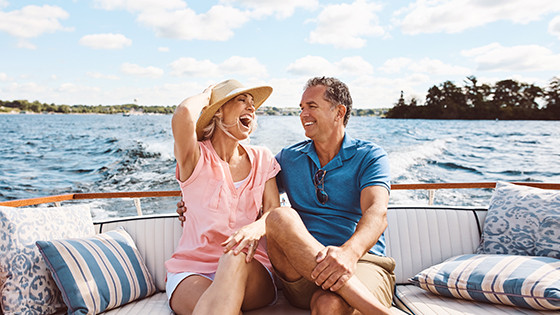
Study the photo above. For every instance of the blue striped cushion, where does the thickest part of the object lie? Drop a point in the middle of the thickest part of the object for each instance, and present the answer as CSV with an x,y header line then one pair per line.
x,y
524,281
97,273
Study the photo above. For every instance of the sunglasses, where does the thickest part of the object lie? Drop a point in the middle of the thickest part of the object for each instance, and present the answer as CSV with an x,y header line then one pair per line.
x,y
319,180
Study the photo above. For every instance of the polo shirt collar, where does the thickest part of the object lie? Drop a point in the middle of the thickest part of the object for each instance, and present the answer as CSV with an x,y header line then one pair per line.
x,y
347,151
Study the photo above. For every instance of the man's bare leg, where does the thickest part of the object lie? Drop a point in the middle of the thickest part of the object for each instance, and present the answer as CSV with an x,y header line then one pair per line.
x,y
293,252
329,303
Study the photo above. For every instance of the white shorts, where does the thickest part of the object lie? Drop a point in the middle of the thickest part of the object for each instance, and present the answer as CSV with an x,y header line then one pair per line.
x,y
173,280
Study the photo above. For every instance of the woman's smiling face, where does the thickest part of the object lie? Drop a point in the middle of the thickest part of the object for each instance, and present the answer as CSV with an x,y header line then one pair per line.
x,y
239,115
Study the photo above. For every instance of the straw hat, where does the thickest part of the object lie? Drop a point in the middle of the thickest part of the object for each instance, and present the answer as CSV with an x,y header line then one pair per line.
x,y
221,94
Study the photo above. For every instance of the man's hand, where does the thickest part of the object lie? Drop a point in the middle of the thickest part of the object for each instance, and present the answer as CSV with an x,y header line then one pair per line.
x,y
181,209
334,267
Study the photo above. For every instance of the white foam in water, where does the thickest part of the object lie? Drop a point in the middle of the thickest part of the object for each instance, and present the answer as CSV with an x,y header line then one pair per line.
x,y
97,211
164,148
402,160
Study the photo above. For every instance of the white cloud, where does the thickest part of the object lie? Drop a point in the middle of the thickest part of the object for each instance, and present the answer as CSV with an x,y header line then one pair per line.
x,y
353,66
217,24
69,93
426,65
347,25
105,41
495,57
242,65
187,66
376,92
32,21
453,16
319,66
4,77
29,88
97,75
166,94
287,92
433,66
163,49
22,43
311,65
137,6
173,19
395,65
554,26
136,70
76,89
281,8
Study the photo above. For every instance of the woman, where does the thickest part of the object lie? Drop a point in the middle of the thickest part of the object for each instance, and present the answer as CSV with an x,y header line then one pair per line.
x,y
224,184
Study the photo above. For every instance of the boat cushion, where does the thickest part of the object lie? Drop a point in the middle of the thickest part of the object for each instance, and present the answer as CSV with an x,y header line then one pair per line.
x,y
99,272
420,237
522,220
416,301
157,305
529,282
27,286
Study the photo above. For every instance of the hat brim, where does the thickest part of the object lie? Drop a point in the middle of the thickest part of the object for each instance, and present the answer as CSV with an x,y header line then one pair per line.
x,y
259,93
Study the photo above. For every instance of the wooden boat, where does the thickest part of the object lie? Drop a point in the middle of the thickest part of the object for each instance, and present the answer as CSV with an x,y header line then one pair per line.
x,y
418,236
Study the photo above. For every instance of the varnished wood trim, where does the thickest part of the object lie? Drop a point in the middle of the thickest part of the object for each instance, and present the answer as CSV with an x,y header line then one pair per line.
x,y
177,193
427,186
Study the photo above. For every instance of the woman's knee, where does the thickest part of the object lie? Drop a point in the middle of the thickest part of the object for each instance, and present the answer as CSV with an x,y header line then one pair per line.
x,y
230,260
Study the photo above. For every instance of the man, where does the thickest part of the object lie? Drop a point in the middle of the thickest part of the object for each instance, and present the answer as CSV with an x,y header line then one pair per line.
x,y
328,249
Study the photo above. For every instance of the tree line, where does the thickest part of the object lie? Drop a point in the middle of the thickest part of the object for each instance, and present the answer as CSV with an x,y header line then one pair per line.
x,y
38,107
506,100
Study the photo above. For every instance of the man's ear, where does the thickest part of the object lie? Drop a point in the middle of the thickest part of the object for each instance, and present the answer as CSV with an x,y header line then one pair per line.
x,y
341,111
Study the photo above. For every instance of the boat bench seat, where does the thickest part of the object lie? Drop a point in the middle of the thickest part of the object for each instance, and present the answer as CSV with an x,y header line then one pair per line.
x,y
417,238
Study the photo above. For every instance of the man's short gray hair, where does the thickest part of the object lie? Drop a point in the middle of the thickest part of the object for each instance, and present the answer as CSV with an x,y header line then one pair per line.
x,y
337,92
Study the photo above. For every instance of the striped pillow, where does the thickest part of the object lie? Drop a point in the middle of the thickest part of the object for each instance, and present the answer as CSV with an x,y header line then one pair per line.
x,y
97,273
523,281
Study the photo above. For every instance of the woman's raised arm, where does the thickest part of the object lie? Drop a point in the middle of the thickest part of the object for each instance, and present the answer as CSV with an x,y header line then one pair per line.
x,y
183,124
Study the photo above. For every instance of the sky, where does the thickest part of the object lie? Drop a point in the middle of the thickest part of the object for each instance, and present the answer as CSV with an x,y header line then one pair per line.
x,y
159,52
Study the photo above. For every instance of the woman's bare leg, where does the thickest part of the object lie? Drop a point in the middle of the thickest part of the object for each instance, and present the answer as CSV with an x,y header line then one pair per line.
x,y
237,285
187,294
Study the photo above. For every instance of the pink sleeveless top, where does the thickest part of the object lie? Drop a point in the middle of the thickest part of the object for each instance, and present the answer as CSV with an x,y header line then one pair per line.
x,y
216,209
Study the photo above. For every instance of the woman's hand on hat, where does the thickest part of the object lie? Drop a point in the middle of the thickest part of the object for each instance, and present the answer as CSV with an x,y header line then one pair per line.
x,y
207,93
209,89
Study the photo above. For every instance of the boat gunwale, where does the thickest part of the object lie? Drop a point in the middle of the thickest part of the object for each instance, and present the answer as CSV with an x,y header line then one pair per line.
x,y
177,193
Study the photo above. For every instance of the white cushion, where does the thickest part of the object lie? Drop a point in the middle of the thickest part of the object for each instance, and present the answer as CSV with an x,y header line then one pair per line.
x,y
27,285
522,220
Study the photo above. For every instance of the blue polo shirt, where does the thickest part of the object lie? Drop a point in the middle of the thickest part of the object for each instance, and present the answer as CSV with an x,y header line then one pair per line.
x,y
357,165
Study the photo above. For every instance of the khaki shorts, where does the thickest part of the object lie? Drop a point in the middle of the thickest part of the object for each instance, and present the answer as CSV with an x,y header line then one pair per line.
x,y
375,272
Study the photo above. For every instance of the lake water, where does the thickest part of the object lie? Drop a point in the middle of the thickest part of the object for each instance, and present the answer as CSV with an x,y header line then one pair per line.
x,y
43,155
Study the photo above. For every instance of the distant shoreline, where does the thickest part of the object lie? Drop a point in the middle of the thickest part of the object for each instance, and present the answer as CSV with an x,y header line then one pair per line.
x,y
262,111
